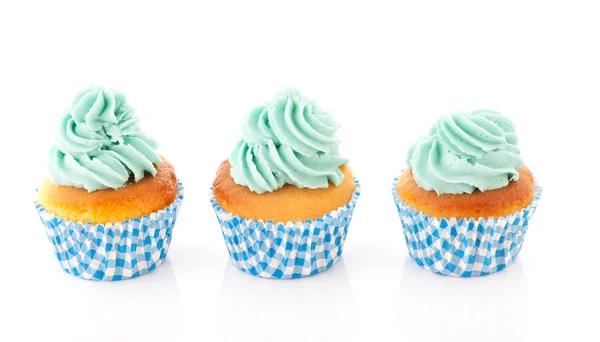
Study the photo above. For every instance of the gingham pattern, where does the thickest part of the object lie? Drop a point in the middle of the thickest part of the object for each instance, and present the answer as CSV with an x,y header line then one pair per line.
x,y
112,251
286,251
464,247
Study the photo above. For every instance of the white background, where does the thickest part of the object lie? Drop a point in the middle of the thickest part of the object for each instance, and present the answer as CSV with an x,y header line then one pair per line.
x,y
387,70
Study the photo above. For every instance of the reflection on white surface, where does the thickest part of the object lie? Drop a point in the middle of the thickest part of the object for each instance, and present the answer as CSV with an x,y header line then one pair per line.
x,y
319,307
439,308
112,311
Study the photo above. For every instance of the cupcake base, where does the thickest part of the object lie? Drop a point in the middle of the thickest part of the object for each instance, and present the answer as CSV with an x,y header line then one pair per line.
x,y
464,247
112,251
286,251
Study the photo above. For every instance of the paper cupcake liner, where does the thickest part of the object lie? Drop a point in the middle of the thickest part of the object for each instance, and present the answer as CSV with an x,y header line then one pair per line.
x,y
286,250
464,247
112,251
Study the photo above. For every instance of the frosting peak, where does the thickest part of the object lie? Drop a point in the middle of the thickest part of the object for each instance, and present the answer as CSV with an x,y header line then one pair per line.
x,y
100,144
467,151
289,140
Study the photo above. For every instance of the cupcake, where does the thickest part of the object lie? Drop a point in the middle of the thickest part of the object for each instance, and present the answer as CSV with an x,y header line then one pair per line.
x,y
285,197
111,201
466,199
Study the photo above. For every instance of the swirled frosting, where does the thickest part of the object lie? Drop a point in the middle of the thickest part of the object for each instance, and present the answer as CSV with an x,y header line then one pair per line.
x,y
467,151
287,141
100,144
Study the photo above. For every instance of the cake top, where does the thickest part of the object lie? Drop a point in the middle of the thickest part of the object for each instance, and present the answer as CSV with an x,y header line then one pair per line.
x,y
100,145
467,151
287,141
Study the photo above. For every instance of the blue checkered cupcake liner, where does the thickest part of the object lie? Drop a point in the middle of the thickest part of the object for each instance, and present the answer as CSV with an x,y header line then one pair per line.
x,y
112,251
464,247
286,250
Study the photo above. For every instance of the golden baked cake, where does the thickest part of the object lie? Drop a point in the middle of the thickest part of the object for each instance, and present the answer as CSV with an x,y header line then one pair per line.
x,y
136,199
493,203
289,203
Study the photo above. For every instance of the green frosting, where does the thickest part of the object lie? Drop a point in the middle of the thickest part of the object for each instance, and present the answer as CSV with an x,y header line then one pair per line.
x,y
290,140
100,144
467,151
